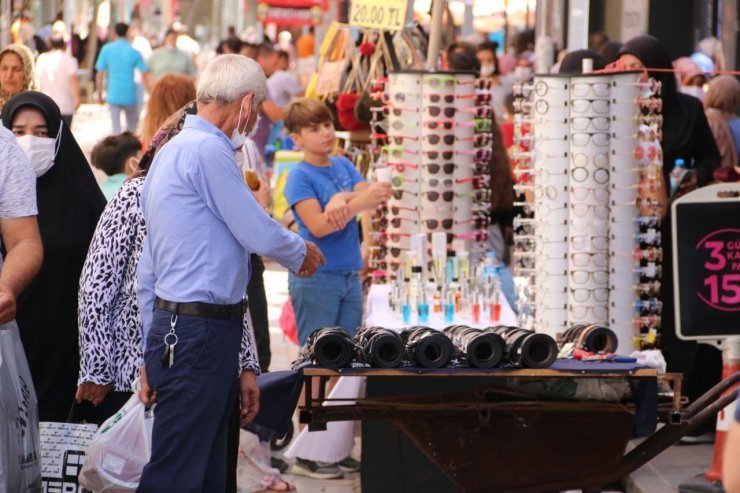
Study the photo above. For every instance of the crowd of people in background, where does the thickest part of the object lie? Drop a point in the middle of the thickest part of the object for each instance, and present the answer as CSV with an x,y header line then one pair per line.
x,y
79,318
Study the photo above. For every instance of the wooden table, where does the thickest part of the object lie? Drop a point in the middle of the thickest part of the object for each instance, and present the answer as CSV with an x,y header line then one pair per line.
x,y
485,438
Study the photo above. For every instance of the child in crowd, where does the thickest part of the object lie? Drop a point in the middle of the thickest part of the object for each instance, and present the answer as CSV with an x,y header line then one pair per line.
x,y
326,193
117,157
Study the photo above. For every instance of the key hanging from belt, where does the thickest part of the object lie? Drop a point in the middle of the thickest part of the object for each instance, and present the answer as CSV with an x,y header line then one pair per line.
x,y
170,341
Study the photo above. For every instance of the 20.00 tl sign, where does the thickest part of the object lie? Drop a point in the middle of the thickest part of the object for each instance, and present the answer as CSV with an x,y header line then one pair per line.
x,y
386,15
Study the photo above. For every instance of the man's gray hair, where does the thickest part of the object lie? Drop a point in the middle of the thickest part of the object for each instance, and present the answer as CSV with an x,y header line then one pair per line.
x,y
228,78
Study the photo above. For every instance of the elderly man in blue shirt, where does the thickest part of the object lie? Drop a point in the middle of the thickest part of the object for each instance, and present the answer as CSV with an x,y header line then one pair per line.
x,y
203,222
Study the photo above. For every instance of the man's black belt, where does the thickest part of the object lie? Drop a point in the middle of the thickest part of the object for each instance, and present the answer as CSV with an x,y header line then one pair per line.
x,y
209,310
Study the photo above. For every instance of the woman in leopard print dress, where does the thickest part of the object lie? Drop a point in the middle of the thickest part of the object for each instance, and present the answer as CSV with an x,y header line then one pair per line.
x,y
110,327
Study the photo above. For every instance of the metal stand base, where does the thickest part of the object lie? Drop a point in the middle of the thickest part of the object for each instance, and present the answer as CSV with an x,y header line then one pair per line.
x,y
700,484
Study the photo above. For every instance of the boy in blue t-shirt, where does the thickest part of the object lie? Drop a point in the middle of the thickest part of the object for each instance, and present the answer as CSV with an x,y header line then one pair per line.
x,y
326,193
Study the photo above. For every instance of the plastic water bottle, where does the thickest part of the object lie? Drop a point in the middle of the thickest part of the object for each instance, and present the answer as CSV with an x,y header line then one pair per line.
x,y
676,177
490,270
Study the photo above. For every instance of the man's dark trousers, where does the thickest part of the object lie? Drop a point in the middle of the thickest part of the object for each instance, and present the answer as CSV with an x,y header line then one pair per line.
x,y
194,401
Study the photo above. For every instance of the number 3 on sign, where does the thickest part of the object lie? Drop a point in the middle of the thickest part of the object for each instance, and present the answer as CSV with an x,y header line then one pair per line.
x,y
716,255
387,15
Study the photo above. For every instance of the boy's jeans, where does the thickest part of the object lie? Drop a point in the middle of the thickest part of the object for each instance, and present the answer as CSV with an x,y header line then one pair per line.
x,y
326,299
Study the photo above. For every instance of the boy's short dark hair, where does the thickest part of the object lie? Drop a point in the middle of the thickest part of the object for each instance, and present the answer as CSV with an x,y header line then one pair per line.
x,y
304,112
121,29
283,55
110,154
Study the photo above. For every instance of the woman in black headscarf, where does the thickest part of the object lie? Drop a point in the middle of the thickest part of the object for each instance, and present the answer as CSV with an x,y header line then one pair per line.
x,y
69,204
572,64
686,135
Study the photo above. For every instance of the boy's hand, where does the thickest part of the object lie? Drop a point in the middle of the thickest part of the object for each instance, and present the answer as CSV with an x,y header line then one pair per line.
x,y
377,193
337,212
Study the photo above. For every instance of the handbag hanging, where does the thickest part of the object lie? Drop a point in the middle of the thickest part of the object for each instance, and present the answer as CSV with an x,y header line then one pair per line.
x,y
351,92
334,65
381,61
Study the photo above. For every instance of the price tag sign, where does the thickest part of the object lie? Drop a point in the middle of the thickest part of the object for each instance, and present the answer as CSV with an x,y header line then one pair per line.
x,y
386,15
706,263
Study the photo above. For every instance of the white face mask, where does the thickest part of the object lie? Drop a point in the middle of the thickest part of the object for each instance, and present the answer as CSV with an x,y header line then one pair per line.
x,y
695,91
523,73
41,151
239,157
238,138
486,70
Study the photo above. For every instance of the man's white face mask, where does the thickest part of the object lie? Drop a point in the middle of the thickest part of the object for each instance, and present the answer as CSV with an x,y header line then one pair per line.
x,y
238,138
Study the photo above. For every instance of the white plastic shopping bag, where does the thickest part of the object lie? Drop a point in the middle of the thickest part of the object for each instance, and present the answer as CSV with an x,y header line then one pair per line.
x,y
119,450
20,468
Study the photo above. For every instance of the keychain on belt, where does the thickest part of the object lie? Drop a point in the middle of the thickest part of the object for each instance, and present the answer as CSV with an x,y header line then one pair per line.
x,y
170,341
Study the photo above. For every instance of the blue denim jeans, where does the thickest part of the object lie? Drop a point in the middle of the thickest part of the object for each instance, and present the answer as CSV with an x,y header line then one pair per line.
x,y
195,399
326,299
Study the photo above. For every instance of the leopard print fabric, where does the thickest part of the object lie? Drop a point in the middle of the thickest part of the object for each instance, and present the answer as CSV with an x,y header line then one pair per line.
x,y
110,326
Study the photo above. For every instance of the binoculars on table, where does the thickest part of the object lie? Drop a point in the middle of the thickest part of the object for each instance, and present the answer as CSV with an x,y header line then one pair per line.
x,y
379,347
424,347
475,347
593,338
330,347
526,348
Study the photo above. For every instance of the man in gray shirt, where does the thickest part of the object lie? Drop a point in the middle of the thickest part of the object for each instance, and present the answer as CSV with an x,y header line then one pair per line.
x,y
168,59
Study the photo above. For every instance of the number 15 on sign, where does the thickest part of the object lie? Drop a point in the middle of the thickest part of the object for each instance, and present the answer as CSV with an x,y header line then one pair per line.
x,y
388,15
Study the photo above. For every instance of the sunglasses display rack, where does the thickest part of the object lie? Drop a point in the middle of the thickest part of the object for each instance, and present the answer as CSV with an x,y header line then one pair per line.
x,y
435,152
521,156
591,248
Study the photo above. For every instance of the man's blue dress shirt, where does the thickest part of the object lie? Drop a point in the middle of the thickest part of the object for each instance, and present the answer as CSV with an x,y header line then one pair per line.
x,y
203,222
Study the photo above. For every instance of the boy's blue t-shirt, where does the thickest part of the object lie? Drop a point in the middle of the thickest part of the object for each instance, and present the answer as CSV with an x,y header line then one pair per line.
x,y
306,181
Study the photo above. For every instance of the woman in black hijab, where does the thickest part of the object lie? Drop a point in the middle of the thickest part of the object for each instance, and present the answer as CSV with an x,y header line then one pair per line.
x,y
572,64
686,135
69,204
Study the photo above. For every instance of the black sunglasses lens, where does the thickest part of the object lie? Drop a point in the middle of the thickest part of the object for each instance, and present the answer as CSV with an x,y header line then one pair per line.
x,y
449,112
449,139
